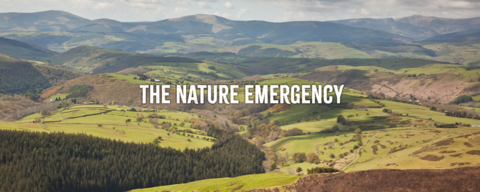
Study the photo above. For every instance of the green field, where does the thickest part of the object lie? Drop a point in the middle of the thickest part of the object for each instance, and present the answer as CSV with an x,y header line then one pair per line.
x,y
468,73
247,182
462,53
325,50
417,144
6,58
98,121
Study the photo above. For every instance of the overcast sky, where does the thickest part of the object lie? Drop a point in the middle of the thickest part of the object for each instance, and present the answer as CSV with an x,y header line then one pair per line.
x,y
268,10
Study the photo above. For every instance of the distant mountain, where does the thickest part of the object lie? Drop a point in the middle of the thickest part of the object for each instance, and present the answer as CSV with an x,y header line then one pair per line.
x,y
416,27
61,31
41,21
97,60
467,36
21,50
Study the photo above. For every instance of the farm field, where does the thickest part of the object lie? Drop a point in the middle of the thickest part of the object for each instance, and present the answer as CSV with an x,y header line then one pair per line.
x,y
400,148
468,73
111,123
422,148
172,72
412,120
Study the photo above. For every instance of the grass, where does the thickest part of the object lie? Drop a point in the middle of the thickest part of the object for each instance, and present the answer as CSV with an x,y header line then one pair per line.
x,y
6,58
325,50
113,125
241,183
172,71
62,96
468,73
292,118
451,52
307,143
417,111
419,145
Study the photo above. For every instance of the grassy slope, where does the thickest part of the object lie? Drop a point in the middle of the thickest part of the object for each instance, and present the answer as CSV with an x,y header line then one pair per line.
x,y
265,65
468,73
467,54
248,182
409,158
113,126
23,50
292,117
7,58
300,50
98,60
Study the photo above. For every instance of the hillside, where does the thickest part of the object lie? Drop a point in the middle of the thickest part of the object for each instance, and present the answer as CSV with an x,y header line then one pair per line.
x,y
61,31
268,65
420,82
455,52
97,60
470,36
331,50
17,77
464,179
20,50
416,26
7,58
41,21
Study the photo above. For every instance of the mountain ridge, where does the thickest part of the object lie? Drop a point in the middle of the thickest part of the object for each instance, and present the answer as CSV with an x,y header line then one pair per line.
x,y
61,31
417,27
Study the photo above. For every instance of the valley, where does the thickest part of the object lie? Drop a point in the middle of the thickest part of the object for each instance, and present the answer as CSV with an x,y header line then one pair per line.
x,y
409,103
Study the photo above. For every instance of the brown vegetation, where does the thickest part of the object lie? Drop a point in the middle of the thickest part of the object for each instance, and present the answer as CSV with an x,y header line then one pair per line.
x,y
397,85
432,158
460,179
13,107
49,92
473,152
447,151
444,142
468,144
279,107
375,149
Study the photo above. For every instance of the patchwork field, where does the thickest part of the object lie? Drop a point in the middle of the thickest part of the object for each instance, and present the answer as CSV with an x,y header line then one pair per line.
x,y
111,123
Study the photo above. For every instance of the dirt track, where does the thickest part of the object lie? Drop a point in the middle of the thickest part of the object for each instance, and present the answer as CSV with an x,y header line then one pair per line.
x,y
448,180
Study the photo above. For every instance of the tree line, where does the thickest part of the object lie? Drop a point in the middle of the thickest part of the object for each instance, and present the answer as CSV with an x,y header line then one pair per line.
x,y
31,161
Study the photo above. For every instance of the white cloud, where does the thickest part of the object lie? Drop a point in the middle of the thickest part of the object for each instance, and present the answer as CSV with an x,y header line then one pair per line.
x,y
204,5
183,3
221,14
227,5
241,12
344,9
270,10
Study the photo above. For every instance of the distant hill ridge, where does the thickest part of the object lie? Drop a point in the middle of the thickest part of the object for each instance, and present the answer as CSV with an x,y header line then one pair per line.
x,y
57,30
416,26
21,50
97,60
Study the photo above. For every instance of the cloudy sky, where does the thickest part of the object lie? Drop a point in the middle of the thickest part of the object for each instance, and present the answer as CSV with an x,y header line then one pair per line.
x,y
269,10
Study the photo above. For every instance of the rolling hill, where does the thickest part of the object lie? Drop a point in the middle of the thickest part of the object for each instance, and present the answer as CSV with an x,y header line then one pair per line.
x,y
7,58
41,21
468,36
97,60
61,31
332,50
17,77
22,50
416,26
